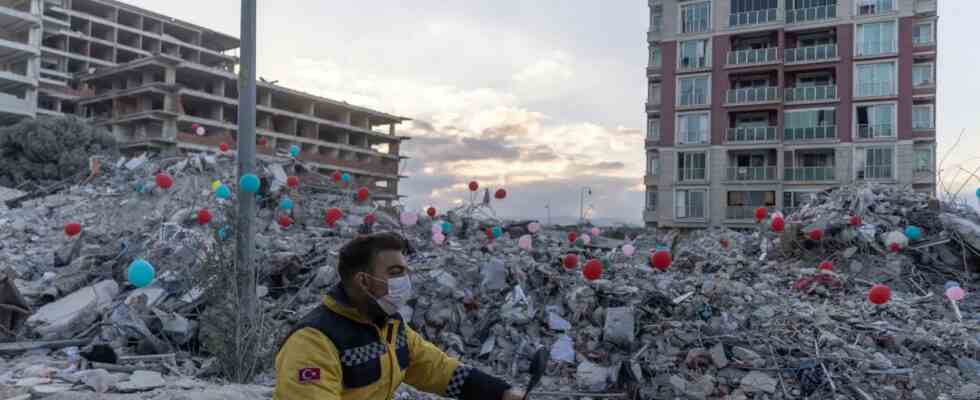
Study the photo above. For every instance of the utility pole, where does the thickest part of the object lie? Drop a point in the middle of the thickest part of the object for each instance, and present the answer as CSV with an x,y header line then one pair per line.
x,y
245,245
581,203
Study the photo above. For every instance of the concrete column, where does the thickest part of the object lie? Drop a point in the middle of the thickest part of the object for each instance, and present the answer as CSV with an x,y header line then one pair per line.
x,y
343,138
170,102
218,111
780,165
391,129
170,75
219,88
345,117
266,98
170,129
311,108
147,76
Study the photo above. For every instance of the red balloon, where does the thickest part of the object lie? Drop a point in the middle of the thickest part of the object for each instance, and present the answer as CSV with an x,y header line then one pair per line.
x,y
826,266
778,224
263,141
879,294
369,219
661,260
363,194
895,247
431,211
501,194
285,221
592,270
333,215
855,220
474,186
164,180
724,243
292,181
337,176
73,228
761,213
194,126
570,261
816,234
489,233
572,236
223,147
203,216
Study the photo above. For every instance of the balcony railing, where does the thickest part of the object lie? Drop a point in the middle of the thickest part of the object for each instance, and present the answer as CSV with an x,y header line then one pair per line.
x,y
811,93
693,63
809,54
874,48
750,135
810,14
744,212
691,174
808,174
751,174
875,89
753,17
876,172
875,7
822,132
753,56
874,131
753,95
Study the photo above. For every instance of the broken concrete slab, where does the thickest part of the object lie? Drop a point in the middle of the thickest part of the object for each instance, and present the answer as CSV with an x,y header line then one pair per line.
x,y
620,326
141,381
73,312
759,382
591,377
718,356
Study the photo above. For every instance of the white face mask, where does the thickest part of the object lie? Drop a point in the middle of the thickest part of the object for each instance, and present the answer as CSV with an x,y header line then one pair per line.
x,y
399,292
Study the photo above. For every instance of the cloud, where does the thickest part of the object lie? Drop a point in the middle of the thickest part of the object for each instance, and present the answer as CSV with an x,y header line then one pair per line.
x,y
553,67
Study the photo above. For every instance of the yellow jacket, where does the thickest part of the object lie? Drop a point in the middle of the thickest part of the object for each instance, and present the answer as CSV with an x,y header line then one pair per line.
x,y
336,353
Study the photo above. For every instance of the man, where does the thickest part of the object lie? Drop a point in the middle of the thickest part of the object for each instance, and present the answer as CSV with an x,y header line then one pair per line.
x,y
356,346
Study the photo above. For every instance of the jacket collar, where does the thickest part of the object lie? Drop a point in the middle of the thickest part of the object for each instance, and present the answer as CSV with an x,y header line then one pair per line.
x,y
338,302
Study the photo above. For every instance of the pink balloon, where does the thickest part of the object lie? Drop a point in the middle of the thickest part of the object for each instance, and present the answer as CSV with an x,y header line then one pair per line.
x,y
524,242
629,250
438,238
436,227
955,293
595,232
409,218
586,239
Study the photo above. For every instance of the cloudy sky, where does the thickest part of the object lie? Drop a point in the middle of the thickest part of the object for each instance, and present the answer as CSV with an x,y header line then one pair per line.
x,y
540,97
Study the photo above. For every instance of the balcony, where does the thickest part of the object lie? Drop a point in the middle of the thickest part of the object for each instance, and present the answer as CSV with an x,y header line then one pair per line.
x,y
691,174
753,95
751,174
875,172
876,131
808,174
823,132
763,134
811,94
753,56
868,8
744,212
811,54
810,14
753,17
925,6
876,48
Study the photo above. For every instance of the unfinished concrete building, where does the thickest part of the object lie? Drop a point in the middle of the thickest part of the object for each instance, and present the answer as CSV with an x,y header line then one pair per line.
x,y
153,80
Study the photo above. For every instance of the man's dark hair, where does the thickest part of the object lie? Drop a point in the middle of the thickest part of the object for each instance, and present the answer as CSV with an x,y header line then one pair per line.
x,y
357,254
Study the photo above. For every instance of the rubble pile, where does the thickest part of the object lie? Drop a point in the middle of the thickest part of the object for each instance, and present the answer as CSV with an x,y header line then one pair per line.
x,y
736,315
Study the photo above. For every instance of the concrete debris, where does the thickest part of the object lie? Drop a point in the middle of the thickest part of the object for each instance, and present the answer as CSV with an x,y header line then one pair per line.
x,y
739,314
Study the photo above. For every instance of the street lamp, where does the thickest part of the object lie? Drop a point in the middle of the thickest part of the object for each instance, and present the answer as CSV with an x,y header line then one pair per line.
x,y
581,203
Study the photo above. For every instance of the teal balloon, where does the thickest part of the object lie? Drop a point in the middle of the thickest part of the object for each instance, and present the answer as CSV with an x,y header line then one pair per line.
x,y
913,232
497,232
249,183
223,233
978,193
346,178
286,203
140,273
446,228
580,242
294,150
223,192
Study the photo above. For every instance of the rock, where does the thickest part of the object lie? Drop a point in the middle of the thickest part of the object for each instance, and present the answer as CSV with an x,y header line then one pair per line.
x,y
591,377
31,382
970,391
882,362
744,354
563,349
42,391
153,295
620,326
850,252
969,368
831,340
141,381
99,380
758,382
968,230
60,320
891,392
718,356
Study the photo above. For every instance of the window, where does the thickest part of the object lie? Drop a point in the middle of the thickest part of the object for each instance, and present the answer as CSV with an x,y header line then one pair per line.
x,y
804,121
654,95
747,12
653,164
656,59
690,203
694,54
922,74
876,38
922,159
875,163
876,80
876,121
657,18
798,4
653,128
696,17
651,200
694,91
752,5
692,166
792,201
922,116
874,7
923,34
692,128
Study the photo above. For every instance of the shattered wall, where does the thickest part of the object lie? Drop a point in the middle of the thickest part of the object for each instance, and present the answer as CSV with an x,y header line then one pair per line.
x,y
49,149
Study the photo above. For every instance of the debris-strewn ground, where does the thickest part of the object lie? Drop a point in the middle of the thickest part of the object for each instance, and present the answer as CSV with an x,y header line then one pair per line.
x,y
737,315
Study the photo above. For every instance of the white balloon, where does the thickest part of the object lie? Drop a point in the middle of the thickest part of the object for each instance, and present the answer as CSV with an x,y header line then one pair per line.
x,y
586,239
438,238
436,227
533,227
629,250
200,131
595,232
524,242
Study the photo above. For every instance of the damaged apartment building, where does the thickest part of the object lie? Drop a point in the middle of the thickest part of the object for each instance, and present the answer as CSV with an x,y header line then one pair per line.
x,y
160,83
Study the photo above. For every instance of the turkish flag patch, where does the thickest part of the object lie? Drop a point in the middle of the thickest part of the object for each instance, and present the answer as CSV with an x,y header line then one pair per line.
x,y
309,375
